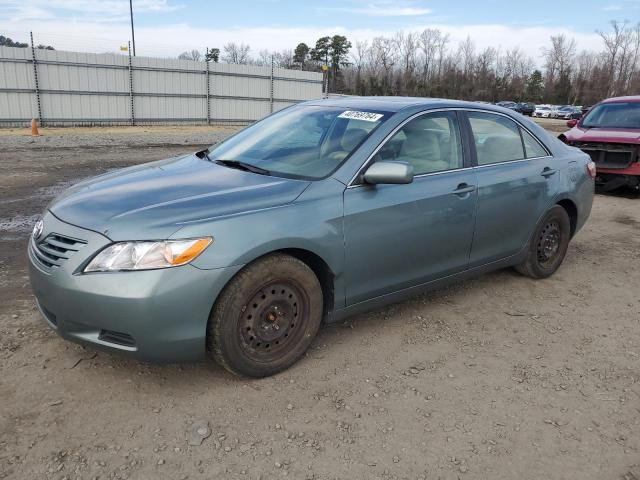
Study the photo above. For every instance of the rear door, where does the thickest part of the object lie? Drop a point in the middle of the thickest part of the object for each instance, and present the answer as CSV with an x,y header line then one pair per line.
x,y
398,236
517,180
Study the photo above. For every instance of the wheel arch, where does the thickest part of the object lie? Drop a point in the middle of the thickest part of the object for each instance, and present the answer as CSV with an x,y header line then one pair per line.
x,y
572,210
323,272
320,267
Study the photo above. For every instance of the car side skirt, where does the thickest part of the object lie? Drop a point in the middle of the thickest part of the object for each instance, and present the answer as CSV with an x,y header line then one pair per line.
x,y
398,296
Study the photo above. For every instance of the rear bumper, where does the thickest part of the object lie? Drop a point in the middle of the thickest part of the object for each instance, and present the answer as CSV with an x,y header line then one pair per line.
x,y
155,315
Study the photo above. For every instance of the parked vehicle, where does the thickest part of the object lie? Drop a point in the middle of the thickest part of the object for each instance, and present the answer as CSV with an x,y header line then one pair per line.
x,y
320,211
610,134
542,111
507,104
568,112
555,110
525,108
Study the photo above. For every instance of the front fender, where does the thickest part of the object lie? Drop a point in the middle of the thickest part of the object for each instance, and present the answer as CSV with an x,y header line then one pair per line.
x,y
314,222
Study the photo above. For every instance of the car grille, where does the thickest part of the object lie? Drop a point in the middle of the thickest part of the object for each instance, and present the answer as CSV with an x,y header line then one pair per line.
x,y
55,249
609,155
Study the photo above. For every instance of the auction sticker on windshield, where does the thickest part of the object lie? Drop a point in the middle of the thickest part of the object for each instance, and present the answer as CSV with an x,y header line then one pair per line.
x,y
366,116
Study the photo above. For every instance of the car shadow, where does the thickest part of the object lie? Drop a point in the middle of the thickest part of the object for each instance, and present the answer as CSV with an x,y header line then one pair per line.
x,y
622,192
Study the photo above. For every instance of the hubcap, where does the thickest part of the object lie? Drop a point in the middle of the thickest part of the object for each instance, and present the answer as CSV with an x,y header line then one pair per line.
x,y
273,320
549,243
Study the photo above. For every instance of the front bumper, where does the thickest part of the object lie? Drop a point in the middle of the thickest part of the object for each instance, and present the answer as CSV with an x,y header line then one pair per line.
x,y
155,315
633,169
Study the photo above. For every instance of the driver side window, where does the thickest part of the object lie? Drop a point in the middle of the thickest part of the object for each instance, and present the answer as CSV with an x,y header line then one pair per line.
x,y
430,142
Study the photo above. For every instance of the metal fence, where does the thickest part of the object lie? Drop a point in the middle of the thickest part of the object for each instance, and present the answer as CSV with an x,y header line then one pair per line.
x,y
70,88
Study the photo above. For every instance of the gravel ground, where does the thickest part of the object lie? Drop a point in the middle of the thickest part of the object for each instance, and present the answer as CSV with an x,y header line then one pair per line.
x,y
11,138
500,377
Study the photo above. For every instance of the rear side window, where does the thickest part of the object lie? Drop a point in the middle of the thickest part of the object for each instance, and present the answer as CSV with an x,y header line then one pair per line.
x,y
532,147
497,138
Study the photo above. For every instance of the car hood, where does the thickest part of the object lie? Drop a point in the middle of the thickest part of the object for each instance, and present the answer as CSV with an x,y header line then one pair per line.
x,y
153,200
611,135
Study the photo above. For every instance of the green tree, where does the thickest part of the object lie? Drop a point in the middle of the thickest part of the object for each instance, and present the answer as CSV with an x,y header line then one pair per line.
x,y
7,42
300,54
338,51
535,85
321,51
212,55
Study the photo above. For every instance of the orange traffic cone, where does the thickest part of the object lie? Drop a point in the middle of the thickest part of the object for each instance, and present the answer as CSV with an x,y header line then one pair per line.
x,y
34,128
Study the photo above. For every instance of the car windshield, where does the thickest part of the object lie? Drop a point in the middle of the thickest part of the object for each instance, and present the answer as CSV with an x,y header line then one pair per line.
x,y
613,115
308,142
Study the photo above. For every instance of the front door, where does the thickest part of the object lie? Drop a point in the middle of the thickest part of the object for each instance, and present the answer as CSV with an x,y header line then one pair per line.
x,y
398,236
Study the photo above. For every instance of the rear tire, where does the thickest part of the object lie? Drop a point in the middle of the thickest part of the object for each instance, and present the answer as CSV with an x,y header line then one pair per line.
x,y
548,245
266,317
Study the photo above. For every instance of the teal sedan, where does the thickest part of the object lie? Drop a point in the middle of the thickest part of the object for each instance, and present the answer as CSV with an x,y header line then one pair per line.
x,y
328,208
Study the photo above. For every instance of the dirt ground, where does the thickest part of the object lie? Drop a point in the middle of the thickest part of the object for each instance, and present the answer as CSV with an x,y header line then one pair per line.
x,y
501,377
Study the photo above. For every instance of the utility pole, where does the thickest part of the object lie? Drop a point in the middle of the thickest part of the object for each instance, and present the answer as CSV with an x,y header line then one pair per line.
x,y
133,37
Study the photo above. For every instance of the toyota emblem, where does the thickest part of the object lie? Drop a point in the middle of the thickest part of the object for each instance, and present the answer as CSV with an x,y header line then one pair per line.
x,y
37,229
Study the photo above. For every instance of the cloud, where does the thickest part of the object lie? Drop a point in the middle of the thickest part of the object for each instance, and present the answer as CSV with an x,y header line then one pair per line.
x,y
612,8
170,40
91,10
382,9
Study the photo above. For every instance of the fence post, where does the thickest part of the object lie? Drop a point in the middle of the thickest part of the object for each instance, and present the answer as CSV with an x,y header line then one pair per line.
x,y
325,82
206,60
271,87
35,79
133,118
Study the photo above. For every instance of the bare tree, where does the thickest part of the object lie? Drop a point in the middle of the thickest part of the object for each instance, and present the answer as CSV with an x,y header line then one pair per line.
x,y
284,58
236,53
384,52
191,55
429,43
264,57
408,47
615,42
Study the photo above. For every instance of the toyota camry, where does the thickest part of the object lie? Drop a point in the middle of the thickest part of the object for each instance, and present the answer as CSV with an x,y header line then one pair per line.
x,y
240,252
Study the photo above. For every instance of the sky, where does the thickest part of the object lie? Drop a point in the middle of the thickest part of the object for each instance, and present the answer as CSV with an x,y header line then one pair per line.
x,y
168,27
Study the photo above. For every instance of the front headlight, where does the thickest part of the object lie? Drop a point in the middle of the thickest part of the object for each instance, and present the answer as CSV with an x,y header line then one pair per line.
x,y
147,255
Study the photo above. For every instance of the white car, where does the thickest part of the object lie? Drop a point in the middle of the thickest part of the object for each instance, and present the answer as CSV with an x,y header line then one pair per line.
x,y
542,111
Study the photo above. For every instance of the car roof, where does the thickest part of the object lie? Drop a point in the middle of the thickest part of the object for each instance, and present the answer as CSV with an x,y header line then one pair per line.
x,y
629,99
395,104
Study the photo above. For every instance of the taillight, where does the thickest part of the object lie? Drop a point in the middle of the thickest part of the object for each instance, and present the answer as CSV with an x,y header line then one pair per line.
x,y
591,169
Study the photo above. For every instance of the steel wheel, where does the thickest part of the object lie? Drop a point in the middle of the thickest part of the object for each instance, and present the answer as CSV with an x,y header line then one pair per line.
x,y
266,317
272,320
548,243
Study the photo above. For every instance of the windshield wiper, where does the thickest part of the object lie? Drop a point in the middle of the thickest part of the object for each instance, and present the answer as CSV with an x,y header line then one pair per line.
x,y
243,166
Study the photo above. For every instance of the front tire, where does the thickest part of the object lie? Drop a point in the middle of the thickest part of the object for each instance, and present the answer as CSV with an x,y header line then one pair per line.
x,y
266,317
548,245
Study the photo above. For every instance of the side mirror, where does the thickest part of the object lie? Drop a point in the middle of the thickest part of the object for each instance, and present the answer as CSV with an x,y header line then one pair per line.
x,y
572,123
389,172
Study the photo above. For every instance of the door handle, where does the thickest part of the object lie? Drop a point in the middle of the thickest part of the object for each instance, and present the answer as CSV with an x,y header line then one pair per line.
x,y
463,189
547,172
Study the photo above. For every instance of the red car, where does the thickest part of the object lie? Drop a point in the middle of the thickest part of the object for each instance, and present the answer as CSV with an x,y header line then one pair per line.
x,y
610,134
